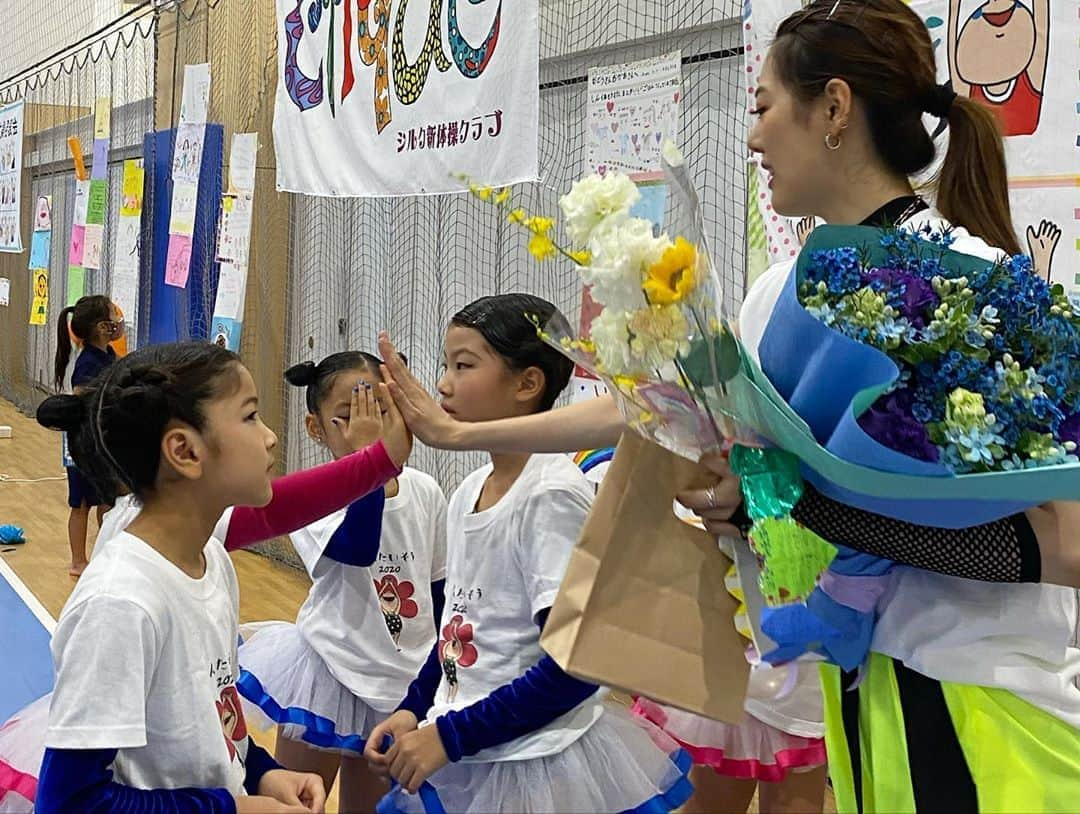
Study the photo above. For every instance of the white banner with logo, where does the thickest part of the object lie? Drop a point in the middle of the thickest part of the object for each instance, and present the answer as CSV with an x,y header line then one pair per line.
x,y
376,99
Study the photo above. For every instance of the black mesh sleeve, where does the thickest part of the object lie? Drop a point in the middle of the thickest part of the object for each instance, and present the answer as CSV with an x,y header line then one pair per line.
x,y
1003,551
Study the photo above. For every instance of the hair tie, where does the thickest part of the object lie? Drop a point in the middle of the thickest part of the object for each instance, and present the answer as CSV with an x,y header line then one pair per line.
x,y
939,101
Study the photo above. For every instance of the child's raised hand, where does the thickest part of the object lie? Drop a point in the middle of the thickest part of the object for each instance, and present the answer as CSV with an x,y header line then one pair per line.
x,y
416,756
365,419
301,789
396,726
421,412
397,437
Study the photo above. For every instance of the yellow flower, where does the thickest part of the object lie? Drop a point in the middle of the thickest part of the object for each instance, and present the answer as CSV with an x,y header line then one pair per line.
x,y
674,275
624,382
541,246
517,216
539,225
582,257
483,193
502,196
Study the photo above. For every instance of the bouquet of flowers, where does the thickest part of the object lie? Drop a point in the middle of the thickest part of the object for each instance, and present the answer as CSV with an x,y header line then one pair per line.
x,y
951,381
895,374
666,350
989,367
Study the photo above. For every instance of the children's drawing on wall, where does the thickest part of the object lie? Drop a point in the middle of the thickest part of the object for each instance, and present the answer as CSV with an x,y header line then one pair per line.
x,y
1042,242
998,56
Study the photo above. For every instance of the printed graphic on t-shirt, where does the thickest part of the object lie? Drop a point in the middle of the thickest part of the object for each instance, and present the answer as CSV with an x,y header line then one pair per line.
x,y
395,599
229,709
456,650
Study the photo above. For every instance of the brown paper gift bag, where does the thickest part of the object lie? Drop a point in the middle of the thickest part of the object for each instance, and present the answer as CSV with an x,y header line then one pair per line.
x,y
643,607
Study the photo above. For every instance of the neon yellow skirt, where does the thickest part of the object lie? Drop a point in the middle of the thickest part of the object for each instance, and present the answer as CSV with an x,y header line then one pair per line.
x,y
1021,758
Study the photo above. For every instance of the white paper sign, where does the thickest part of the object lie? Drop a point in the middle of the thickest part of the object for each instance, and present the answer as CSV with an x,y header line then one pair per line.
x,y
11,141
196,99
632,110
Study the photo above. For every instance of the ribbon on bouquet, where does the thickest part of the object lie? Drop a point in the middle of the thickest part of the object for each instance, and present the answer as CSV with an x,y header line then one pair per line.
x,y
792,557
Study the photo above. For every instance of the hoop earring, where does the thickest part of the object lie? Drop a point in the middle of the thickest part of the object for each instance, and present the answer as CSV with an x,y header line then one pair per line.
x,y
829,143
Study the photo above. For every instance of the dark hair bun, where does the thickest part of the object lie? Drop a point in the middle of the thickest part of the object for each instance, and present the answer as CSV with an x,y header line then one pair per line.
x,y
66,413
301,375
142,390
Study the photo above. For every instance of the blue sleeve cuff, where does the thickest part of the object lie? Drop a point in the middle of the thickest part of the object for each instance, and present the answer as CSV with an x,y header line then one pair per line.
x,y
258,763
81,780
356,540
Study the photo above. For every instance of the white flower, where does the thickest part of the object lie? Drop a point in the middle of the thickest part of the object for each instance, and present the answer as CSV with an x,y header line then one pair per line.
x,y
611,336
632,343
621,257
594,200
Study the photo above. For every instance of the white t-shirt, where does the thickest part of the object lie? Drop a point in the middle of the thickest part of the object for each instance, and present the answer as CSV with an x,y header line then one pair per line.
x,y
146,664
505,565
349,611
1020,638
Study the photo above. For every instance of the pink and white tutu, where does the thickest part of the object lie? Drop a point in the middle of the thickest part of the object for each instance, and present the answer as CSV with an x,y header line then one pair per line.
x,y
22,747
752,750
286,683
621,764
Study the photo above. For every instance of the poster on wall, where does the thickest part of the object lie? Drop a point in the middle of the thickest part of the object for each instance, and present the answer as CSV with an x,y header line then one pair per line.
x,y
125,272
186,166
39,290
234,239
410,100
631,110
1023,63
11,141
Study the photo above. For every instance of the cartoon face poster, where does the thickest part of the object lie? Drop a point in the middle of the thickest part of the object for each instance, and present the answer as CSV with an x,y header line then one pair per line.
x,y
39,307
998,54
43,213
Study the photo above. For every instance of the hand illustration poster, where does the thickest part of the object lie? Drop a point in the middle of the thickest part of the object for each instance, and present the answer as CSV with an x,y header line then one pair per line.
x,y
11,143
125,271
178,261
